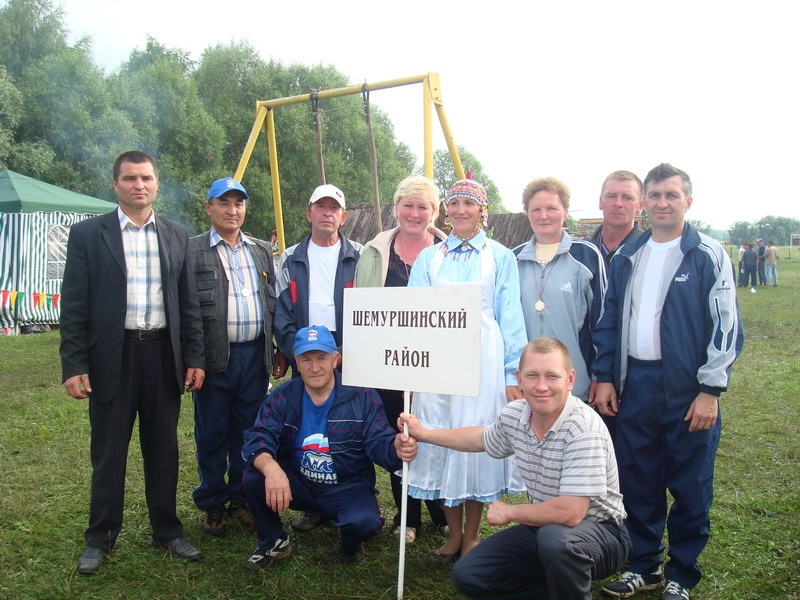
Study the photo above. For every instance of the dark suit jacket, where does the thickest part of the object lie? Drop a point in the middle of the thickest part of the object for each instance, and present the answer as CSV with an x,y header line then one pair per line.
x,y
94,302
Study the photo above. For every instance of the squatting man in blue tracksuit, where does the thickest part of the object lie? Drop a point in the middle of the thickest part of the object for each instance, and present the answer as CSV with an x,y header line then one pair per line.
x,y
669,333
312,447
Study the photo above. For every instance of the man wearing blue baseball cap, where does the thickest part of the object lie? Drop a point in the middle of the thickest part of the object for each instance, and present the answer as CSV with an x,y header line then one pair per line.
x,y
312,447
236,286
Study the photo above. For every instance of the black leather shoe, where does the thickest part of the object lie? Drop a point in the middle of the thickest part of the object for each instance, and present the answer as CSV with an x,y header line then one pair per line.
x,y
91,560
179,548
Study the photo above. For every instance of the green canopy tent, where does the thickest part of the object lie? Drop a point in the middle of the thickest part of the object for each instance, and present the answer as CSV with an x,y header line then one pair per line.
x,y
35,218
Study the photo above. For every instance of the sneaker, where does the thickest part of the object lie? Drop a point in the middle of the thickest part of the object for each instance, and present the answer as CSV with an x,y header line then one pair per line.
x,y
242,514
631,583
214,522
674,591
261,559
307,521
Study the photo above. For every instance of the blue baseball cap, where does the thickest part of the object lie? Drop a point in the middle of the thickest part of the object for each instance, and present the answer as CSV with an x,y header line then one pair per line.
x,y
220,186
314,338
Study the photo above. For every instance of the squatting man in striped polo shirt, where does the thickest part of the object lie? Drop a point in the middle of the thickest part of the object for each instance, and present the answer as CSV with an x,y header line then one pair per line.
x,y
572,530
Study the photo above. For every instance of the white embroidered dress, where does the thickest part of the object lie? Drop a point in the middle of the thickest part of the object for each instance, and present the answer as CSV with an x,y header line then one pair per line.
x,y
458,476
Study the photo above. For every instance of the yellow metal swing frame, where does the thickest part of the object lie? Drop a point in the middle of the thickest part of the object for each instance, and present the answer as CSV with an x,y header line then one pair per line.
x,y
265,119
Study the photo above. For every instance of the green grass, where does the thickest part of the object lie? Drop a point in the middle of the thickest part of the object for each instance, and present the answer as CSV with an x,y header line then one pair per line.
x,y
754,552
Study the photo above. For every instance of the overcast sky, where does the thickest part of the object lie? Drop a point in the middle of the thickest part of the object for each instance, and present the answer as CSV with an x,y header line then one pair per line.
x,y
569,89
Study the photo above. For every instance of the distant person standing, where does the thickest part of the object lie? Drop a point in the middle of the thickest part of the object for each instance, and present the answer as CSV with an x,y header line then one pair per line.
x,y
762,271
771,260
620,201
750,261
740,270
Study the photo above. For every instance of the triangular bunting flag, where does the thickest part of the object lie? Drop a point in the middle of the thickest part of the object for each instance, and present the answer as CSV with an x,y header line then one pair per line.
x,y
5,294
56,298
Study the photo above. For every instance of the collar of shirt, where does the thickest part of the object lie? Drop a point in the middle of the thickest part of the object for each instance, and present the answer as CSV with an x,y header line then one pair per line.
x,y
452,242
525,416
214,238
124,219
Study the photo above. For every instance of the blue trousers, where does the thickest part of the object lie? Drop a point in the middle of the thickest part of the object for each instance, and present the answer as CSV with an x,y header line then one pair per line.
x,y
353,509
552,562
772,274
224,408
656,453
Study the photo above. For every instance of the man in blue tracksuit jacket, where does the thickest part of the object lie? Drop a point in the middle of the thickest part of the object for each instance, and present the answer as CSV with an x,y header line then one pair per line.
x,y
313,274
669,333
312,447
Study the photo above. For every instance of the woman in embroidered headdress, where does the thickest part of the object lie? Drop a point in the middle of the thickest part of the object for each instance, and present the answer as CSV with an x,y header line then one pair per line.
x,y
386,261
465,481
563,279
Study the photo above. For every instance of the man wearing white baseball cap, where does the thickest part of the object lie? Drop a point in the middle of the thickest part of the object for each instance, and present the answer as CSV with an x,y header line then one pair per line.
x,y
313,274
311,279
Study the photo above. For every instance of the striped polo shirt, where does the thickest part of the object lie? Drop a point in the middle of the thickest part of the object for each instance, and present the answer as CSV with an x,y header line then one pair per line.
x,y
575,457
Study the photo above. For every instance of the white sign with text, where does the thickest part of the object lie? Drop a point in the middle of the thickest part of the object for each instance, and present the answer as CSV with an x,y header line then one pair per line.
x,y
420,339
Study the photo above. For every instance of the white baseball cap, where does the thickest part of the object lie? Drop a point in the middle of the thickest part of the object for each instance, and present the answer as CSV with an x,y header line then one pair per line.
x,y
327,191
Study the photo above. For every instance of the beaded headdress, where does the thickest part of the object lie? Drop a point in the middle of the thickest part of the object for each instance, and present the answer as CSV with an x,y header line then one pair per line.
x,y
469,188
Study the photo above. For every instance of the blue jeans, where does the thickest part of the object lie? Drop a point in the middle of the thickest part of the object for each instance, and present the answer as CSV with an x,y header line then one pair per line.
x,y
772,274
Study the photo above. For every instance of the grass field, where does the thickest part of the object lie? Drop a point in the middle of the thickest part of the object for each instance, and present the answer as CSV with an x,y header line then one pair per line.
x,y
754,552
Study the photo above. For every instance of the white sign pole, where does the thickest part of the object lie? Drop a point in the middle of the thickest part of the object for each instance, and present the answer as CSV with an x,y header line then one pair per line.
x,y
423,339
401,570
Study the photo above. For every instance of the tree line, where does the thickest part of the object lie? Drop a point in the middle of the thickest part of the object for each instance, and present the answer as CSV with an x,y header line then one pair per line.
x,y
63,120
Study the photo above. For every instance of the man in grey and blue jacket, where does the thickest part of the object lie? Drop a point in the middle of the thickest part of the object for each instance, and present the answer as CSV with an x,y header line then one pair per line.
x,y
669,333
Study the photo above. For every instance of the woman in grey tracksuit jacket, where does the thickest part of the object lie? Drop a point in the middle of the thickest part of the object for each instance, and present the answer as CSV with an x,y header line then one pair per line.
x,y
573,290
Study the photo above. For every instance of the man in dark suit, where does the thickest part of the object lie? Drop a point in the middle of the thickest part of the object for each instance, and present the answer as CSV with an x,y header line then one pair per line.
x,y
131,339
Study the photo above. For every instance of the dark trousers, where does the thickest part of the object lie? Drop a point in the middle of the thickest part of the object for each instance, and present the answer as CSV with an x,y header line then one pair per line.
x,y
750,276
148,389
393,405
656,453
610,423
224,408
553,562
353,509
